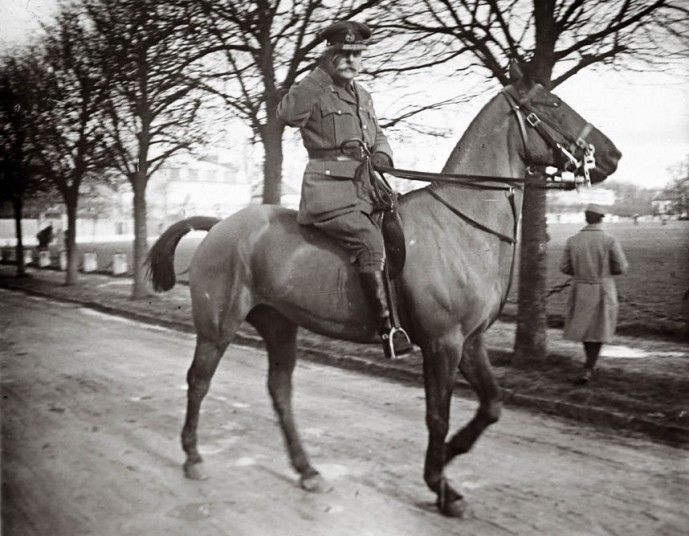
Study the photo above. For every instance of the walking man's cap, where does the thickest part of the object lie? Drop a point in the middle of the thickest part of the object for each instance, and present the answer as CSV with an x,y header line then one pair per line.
x,y
346,35
595,209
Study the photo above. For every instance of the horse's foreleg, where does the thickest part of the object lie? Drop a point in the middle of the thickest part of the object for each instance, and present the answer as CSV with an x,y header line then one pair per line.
x,y
280,335
440,360
475,367
206,358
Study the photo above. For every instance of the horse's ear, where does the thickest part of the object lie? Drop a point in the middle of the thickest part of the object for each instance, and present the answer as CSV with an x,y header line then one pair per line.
x,y
519,75
515,71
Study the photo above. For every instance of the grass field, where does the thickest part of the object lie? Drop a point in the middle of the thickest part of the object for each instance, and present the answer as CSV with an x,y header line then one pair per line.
x,y
650,293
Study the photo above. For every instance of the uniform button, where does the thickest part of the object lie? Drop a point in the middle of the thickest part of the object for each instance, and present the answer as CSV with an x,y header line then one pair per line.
x,y
339,112
364,127
327,172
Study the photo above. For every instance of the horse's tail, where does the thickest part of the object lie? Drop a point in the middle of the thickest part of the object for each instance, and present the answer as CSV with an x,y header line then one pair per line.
x,y
160,261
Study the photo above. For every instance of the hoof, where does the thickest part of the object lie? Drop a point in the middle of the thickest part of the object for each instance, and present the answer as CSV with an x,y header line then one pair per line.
x,y
457,508
194,471
315,484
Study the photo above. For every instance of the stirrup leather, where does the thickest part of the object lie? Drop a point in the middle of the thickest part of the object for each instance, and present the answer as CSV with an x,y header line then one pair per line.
x,y
404,345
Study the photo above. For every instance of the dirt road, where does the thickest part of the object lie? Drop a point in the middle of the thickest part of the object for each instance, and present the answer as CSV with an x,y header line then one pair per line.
x,y
92,407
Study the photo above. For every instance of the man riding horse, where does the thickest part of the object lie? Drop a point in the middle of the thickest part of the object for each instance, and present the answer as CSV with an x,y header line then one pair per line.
x,y
339,194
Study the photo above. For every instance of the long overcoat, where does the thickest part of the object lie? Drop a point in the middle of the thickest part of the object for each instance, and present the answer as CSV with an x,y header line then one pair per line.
x,y
592,257
328,115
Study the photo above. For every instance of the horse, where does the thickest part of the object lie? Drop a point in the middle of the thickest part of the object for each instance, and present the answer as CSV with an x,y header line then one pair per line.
x,y
259,265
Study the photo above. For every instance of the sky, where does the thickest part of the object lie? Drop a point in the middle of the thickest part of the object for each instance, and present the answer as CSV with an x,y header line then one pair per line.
x,y
645,114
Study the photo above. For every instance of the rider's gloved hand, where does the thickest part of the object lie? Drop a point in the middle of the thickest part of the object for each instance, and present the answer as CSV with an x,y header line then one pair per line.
x,y
380,159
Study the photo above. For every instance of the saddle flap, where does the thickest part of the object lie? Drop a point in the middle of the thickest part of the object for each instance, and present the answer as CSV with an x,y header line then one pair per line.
x,y
395,247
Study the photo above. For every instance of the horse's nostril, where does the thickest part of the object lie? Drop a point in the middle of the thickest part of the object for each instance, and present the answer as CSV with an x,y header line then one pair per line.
x,y
615,156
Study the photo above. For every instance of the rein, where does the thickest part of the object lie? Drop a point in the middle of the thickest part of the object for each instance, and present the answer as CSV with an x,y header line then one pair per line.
x,y
453,178
471,221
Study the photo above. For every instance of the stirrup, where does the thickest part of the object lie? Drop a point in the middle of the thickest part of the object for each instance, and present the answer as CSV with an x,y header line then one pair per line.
x,y
404,345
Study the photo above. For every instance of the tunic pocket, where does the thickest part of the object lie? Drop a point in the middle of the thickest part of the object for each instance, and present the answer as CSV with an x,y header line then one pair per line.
x,y
338,124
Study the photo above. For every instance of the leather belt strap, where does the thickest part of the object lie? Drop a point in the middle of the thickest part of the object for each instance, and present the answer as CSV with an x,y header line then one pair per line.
x,y
329,154
339,158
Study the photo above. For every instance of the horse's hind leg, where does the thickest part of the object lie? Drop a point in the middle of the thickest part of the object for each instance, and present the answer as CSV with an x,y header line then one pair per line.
x,y
280,335
475,367
440,360
206,358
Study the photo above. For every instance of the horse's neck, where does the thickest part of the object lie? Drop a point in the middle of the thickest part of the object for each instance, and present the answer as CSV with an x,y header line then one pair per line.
x,y
490,146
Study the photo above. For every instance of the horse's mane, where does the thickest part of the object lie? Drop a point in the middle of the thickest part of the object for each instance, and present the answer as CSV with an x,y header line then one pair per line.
x,y
454,154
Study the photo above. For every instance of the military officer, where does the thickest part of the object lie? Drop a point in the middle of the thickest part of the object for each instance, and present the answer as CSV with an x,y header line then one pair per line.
x,y
330,107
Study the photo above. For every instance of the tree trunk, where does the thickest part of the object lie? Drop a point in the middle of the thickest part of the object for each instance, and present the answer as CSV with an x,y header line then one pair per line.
x,y
17,207
272,162
71,240
541,65
139,288
530,342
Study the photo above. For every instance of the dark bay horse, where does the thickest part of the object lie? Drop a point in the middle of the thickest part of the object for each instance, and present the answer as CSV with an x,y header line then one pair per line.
x,y
259,265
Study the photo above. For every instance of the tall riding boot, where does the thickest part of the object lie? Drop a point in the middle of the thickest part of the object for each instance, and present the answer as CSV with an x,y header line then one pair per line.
x,y
373,284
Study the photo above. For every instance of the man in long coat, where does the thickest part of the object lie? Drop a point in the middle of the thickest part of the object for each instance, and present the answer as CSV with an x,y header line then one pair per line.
x,y
592,257
337,196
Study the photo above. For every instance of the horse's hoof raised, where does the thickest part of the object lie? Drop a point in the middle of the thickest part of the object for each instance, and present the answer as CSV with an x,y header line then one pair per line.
x,y
315,484
457,508
194,471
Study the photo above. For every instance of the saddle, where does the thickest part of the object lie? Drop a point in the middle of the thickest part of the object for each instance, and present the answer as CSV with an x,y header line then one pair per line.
x,y
395,247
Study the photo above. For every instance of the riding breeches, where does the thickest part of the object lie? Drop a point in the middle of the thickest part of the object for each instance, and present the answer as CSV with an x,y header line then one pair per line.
x,y
360,234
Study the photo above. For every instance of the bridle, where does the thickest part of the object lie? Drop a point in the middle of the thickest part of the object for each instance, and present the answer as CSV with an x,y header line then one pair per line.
x,y
568,163
574,172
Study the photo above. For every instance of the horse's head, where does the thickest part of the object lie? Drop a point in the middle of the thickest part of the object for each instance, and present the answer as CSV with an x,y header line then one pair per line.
x,y
556,135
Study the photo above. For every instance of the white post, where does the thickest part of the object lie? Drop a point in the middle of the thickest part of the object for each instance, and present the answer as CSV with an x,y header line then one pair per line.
x,y
28,256
119,264
44,258
90,262
63,260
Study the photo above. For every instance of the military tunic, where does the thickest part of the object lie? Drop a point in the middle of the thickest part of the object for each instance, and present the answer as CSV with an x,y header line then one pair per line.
x,y
331,198
592,257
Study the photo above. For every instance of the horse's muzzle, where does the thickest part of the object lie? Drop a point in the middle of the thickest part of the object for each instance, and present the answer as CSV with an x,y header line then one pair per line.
x,y
605,166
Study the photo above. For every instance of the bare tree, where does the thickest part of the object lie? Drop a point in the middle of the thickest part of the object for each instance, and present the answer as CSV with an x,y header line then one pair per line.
x,y
14,152
152,107
678,188
555,39
67,91
19,177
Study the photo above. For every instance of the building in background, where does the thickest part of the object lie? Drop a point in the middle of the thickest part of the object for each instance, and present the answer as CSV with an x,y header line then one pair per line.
x,y
568,206
188,186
